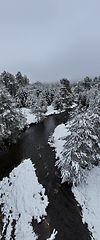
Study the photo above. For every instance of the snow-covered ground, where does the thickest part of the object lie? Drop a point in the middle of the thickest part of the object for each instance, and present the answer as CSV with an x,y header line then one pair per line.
x,y
87,193
57,141
88,196
31,118
22,199
51,110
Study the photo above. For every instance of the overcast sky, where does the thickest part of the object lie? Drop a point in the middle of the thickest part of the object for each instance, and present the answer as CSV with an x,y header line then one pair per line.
x,y
50,39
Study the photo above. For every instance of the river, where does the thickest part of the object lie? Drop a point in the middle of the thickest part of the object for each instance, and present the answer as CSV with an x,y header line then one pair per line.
x,y
63,214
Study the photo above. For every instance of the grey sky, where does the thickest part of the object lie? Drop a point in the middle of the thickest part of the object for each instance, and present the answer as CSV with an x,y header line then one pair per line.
x,y
50,39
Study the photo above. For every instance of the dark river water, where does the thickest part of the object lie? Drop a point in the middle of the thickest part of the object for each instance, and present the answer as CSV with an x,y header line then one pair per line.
x,y
62,212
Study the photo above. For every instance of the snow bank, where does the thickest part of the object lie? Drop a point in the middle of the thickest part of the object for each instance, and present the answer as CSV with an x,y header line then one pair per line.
x,y
51,110
88,193
57,141
23,198
31,118
88,196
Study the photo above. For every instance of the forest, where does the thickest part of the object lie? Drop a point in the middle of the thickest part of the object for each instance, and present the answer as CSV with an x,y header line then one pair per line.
x,y
59,168
82,99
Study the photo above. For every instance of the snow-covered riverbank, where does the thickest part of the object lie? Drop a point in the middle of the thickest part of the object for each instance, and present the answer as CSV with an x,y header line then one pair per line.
x,y
88,196
87,193
22,199
32,118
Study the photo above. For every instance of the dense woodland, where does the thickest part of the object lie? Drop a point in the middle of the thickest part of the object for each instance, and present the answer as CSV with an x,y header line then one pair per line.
x,y
16,92
82,147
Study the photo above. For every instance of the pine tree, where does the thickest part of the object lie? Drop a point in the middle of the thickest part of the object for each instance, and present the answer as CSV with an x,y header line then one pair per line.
x,y
10,82
21,81
11,118
81,149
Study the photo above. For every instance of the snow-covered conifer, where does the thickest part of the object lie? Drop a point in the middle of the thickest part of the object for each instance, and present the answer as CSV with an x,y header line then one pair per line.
x,y
11,118
81,148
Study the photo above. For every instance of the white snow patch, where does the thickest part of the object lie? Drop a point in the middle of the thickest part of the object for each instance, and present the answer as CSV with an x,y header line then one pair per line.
x,y
57,139
73,105
53,235
88,196
23,198
51,110
31,118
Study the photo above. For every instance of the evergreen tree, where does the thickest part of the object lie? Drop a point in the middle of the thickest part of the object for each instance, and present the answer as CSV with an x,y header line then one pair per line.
x,y
22,81
11,118
10,82
81,149
63,98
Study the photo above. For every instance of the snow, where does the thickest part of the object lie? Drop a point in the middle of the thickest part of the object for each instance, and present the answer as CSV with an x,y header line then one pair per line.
x,y
51,110
53,235
31,118
88,196
74,105
87,193
23,199
57,141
